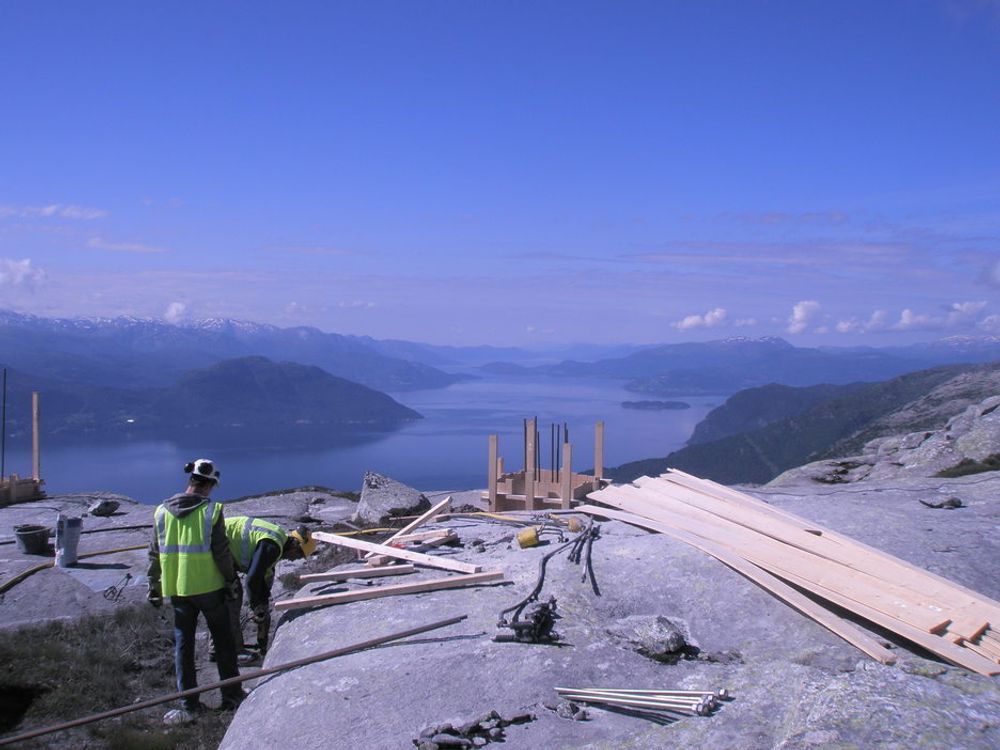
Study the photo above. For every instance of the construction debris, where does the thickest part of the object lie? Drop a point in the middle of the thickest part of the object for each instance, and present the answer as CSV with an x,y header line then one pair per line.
x,y
775,548
535,625
378,592
393,552
694,702
477,733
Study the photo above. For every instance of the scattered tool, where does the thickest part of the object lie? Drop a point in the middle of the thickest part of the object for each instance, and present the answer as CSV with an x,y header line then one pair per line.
x,y
537,625
115,592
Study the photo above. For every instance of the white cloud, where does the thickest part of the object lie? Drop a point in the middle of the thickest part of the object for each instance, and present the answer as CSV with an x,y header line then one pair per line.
x,y
175,312
876,322
745,322
964,312
123,247
52,210
711,319
355,303
958,315
990,323
802,313
20,273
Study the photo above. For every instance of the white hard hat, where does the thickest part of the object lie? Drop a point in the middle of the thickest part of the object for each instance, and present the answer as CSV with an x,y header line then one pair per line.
x,y
204,468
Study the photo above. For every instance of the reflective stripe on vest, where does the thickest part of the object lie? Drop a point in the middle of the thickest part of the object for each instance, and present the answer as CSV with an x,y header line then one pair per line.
x,y
188,569
246,533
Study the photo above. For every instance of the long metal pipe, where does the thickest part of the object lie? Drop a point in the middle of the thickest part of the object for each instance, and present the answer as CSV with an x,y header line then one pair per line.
x,y
231,681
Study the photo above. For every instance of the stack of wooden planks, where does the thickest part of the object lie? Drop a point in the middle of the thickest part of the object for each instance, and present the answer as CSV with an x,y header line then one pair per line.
x,y
775,548
392,551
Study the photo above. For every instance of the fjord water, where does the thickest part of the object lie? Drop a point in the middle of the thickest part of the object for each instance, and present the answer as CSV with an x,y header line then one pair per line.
x,y
447,450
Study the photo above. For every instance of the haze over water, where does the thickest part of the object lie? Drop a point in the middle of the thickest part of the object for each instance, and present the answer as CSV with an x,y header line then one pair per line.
x,y
447,450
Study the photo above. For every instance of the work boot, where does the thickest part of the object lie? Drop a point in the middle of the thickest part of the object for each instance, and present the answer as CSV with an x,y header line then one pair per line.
x,y
246,658
232,701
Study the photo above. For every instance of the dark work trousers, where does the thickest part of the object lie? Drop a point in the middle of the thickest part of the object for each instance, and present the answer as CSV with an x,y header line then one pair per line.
x,y
186,609
235,610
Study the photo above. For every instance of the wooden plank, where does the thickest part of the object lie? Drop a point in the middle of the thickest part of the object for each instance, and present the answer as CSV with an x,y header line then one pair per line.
x,y
721,491
366,572
399,554
947,598
777,556
954,654
783,591
493,471
378,592
927,595
418,521
420,536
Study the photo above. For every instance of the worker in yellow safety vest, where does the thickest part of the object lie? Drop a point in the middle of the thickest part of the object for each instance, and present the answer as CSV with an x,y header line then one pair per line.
x,y
190,562
257,546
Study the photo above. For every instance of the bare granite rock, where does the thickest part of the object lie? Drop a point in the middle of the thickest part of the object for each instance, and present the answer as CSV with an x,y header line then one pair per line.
x,y
383,498
974,434
795,685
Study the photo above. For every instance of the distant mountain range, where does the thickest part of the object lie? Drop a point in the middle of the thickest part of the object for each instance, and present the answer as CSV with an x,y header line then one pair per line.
x,y
134,352
251,397
761,432
730,365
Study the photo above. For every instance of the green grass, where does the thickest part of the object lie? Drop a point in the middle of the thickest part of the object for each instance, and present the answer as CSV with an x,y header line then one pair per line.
x,y
70,669
970,466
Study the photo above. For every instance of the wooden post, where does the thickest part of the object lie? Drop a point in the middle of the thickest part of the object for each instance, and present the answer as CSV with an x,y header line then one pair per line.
x,y
599,450
492,474
12,492
36,458
529,466
567,477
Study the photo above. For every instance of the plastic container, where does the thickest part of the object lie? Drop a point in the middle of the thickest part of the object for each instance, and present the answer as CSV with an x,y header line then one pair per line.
x,y
32,539
67,539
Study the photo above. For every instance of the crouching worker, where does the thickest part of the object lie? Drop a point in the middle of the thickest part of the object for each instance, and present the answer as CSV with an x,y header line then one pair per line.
x,y
190,562
256,547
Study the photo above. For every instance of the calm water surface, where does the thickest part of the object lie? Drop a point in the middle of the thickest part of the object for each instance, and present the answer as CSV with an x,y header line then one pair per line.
x,y
447,450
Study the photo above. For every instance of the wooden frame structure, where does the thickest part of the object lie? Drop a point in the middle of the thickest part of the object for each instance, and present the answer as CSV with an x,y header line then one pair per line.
x,y
537,488
15,489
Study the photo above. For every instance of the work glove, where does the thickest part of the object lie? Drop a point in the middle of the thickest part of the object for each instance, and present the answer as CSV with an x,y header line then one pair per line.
x,y
154,597
233,590
259,613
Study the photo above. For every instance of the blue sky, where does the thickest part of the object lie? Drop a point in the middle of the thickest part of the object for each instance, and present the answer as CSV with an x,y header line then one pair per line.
x,y
508,172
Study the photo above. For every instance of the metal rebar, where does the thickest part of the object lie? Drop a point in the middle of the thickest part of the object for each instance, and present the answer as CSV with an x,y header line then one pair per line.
x,y
665,705
231,681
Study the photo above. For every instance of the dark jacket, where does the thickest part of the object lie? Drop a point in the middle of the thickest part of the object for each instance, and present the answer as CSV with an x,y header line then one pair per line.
x,y
180,506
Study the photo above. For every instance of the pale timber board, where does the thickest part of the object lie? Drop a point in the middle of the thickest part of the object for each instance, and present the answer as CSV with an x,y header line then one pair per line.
x,y
854,554
436,541
778,555
379,592
782,590
882,567
401,554
421,519
419,536
366,572
894,600
709,486
950,652
983,653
